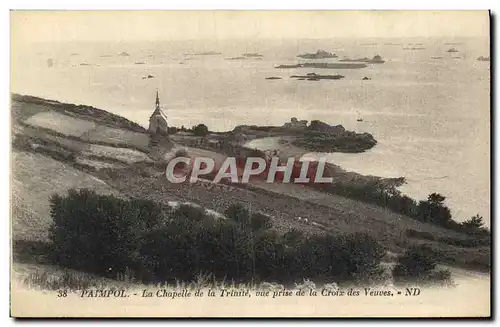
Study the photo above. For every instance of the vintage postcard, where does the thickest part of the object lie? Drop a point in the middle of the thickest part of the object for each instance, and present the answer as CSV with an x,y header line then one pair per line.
x,y
250,164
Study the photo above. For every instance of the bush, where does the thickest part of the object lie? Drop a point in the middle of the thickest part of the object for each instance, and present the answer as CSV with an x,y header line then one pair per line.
x,y
149,243
417,265
260,221
99,233
200,130
363,254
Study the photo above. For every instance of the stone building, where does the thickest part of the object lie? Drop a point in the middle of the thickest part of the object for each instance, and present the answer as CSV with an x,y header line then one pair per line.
x,y
296,123
158,121
159,141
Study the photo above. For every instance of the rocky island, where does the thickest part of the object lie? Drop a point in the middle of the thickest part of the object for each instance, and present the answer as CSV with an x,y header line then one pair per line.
x,y
481,58
320,54
252,55
316,77
413,48
322,137
325,65
207,53
318,136
375,60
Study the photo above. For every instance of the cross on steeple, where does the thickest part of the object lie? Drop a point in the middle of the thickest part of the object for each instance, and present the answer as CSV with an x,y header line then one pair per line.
x,y
157,100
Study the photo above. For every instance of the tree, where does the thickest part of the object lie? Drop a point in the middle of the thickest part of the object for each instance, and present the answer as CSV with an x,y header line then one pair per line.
x,y
200,130
436,199
433,210
475,222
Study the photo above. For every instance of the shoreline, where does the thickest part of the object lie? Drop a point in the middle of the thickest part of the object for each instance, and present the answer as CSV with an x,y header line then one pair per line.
x,y
416,186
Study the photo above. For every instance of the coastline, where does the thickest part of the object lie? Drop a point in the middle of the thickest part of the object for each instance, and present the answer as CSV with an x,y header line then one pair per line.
x,y
341,167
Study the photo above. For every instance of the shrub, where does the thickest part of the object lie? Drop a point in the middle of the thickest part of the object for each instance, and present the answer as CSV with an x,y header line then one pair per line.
x,y
363,254
416,262
238,213
418,265
98,233
200,130
260,221
143,240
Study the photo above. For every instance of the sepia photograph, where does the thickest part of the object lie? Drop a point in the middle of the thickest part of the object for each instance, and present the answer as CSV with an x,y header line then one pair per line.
x,y
250,163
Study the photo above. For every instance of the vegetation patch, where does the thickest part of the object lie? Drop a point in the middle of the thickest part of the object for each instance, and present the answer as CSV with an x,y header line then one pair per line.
x,y
418,266
104,234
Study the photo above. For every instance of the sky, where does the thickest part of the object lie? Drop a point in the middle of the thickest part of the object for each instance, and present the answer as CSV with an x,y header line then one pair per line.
x,y
122,26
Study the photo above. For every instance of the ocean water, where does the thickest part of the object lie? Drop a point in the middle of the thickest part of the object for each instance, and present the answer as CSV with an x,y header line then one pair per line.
x,y
431,117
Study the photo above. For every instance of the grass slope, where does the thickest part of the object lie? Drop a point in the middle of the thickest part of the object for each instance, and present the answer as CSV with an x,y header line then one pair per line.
x,y
35,177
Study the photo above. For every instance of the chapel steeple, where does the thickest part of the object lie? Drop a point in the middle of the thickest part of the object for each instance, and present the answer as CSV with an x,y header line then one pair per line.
x,y
158,120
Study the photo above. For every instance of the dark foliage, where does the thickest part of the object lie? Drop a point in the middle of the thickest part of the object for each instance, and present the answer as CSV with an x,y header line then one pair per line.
x,y
418,265
259,221
200,130
431,211
107,235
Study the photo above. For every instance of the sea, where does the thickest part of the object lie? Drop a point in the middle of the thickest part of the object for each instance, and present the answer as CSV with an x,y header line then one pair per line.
x,y
428,107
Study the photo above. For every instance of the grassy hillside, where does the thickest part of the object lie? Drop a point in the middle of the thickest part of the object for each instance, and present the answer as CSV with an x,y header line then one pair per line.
x,y
90,148
27,105
34,179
